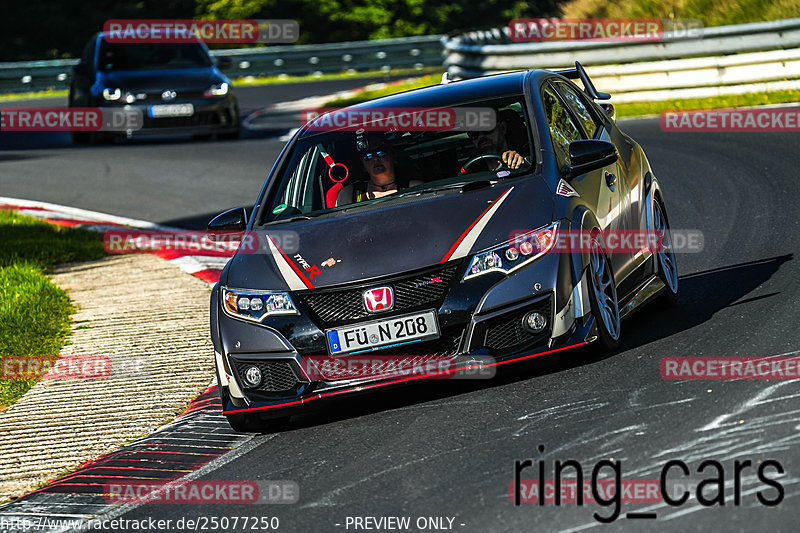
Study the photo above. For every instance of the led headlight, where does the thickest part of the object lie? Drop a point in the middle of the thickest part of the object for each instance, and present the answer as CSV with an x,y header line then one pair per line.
x,y
112,94
514,254
220,89
255,305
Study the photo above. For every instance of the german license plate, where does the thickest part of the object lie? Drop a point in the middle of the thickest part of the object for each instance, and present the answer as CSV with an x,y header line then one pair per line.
x,y
367,336
171,110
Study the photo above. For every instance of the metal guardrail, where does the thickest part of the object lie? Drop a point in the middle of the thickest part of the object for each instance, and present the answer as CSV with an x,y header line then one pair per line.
x,y
356,56
727,59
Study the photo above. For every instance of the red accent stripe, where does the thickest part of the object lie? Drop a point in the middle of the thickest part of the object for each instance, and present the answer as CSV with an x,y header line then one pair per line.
x,y
452,249
300,273
384,384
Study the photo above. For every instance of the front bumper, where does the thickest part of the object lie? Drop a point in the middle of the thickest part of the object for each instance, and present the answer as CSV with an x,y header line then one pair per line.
x,y
210,116
480,324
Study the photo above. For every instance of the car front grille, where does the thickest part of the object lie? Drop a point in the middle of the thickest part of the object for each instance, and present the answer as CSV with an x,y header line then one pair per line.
x,y
334,307
506,332
277,376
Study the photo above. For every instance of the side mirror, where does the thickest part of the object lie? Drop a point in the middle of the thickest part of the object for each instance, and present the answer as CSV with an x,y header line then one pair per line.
x,y
587,155
230,220
224,62
609,109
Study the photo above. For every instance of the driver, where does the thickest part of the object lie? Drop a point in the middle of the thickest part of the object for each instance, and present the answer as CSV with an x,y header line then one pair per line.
x,y
379,163
496,141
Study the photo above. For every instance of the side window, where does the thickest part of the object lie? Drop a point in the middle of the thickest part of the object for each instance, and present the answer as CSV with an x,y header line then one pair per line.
x,y
563,129
590,125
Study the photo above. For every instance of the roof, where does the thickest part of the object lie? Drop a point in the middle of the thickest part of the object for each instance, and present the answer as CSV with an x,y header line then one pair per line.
x,y
485,87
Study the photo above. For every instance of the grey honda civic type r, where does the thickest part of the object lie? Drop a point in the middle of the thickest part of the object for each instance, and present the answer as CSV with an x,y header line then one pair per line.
x,y
410,245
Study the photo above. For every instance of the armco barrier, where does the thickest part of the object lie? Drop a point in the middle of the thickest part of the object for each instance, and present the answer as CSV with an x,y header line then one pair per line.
x,y
726,60
756,57
357,56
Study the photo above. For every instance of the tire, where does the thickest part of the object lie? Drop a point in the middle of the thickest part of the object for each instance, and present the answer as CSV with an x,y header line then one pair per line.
x,y
666,265
232,136
603,297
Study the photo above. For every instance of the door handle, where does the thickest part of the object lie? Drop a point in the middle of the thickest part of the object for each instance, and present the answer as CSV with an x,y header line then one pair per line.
x,y
611,180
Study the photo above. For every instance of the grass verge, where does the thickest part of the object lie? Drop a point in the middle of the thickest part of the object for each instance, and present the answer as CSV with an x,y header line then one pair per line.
x,y
637,109
424,81
251,81
34,312
61,93
633,109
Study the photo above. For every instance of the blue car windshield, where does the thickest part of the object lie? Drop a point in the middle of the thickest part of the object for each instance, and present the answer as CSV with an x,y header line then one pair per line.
x,y
149,56
333,167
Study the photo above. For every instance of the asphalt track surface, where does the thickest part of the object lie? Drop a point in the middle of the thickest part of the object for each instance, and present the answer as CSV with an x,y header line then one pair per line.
x,y
447,449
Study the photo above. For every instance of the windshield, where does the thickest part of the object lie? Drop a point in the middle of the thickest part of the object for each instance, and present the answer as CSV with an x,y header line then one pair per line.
x,y
147,56
332,170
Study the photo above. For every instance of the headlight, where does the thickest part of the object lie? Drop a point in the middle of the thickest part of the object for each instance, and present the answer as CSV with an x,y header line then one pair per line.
x,y
112,94
514,254
220,89
255,305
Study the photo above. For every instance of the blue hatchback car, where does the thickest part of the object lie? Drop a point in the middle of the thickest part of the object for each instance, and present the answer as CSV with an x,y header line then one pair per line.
x,y
178,87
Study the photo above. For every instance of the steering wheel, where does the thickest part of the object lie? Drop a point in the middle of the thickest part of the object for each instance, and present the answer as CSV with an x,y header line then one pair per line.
x,y
481,158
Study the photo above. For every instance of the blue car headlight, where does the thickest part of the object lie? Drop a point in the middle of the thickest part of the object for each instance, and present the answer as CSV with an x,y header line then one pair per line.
x,y
219,89
256,305
516,253
112,94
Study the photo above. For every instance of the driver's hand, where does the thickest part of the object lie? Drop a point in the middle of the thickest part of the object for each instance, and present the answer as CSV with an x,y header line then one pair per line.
x,y
512,159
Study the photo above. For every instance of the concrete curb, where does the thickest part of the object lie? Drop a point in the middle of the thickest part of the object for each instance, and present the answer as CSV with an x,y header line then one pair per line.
x,y
150,320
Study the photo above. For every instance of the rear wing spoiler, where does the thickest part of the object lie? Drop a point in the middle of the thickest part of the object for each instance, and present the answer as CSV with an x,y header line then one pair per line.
x,y
588,87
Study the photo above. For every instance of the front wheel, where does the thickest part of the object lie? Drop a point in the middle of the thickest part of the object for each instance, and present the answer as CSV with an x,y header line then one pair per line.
x,y
665,258
603,297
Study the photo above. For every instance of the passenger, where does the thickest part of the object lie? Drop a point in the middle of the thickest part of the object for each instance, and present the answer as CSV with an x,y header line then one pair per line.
x,y
380,164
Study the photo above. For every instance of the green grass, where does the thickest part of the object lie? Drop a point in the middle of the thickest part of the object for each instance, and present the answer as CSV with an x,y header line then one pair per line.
x,y
635,109
711,12
61,93
249,81
34,312
424,81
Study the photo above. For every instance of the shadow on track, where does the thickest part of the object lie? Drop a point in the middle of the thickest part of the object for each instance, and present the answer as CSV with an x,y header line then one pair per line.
x,y
701,296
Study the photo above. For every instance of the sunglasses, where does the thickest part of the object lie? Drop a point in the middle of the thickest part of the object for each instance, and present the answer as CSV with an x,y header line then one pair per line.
x,y
373,155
